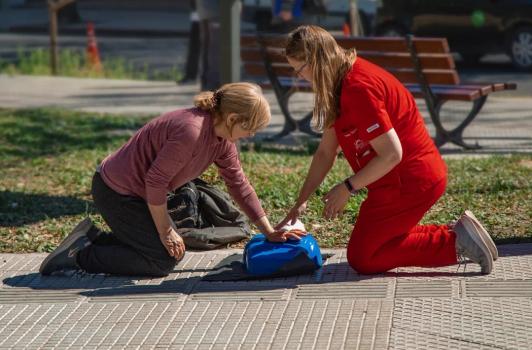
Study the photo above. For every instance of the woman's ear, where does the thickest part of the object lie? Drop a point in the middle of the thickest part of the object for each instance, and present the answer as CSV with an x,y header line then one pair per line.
x,y
231,119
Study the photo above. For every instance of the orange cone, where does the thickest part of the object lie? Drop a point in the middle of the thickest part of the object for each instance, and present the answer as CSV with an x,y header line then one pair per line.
x,y
93,55
346,29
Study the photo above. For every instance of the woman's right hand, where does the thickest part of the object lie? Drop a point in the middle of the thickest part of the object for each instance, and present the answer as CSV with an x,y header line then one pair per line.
x,y
173,243
294,213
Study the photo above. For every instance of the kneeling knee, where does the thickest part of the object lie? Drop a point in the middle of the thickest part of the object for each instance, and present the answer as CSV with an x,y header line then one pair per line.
x,y
163,268
362,264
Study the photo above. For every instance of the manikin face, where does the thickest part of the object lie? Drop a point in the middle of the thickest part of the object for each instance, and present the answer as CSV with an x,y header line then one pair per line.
x,y
301,69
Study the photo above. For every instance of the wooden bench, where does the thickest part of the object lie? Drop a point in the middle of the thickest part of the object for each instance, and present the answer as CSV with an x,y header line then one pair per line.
x,y
424,65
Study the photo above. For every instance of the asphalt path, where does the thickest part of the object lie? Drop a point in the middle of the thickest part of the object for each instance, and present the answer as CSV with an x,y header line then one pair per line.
x,y
166,53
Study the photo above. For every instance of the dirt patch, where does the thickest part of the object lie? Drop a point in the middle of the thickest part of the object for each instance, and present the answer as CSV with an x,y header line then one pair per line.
x,y
527,163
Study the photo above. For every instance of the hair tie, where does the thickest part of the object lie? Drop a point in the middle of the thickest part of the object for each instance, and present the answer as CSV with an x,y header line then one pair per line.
x,y
216,99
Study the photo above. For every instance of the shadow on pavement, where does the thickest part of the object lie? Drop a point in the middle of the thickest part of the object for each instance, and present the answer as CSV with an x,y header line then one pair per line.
x,y
100,285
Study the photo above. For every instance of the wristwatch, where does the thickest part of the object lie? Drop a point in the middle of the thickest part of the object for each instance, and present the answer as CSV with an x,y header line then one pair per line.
x,y
350,187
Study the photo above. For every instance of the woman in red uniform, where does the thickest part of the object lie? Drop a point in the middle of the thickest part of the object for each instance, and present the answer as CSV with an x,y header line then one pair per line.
x,y
368,114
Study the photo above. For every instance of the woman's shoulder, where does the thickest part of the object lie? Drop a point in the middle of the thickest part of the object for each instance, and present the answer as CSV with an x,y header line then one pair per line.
x,y
364,76
182,122
193,114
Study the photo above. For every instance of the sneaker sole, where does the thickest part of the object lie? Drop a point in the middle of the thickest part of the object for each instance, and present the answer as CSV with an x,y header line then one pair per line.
x,y
485,235
479,241
79,231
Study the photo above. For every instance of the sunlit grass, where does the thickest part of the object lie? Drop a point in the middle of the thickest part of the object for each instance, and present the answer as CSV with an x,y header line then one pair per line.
x,y
48,157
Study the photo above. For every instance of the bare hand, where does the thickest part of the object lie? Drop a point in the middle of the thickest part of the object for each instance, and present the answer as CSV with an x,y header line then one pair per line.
x,y
283,235
335,201
173,243
292,215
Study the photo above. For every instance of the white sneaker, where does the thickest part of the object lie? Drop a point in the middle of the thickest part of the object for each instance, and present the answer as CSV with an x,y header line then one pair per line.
x,y
470,219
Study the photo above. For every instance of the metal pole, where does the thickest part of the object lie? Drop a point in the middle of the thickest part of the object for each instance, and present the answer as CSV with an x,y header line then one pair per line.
x,y
354,19
54,52
53,8
230,41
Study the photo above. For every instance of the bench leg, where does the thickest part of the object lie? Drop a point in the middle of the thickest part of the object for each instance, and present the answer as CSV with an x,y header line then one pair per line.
x,y
289,123
304,126
455,136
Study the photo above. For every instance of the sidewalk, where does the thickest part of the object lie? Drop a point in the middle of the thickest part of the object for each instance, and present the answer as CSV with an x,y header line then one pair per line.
x,y
333,309
503,126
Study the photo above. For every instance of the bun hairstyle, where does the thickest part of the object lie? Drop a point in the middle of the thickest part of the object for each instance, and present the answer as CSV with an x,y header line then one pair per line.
x,y
244,99
208,100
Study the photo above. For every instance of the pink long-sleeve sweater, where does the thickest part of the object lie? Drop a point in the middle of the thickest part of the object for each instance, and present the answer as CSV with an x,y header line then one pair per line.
x,y
171,150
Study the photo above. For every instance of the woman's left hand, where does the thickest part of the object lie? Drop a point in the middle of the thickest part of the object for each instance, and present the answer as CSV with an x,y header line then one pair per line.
x,y
335,201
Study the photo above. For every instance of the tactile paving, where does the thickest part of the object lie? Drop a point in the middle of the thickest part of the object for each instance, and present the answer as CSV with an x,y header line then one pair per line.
x,y
499,288
424,289
239,291
30,296
492,322
350,290
335,308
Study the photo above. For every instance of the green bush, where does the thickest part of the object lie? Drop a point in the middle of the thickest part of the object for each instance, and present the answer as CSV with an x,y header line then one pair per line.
x,y
73,63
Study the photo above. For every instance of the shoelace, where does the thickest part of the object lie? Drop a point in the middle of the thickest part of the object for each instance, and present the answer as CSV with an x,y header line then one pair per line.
x,y
462,260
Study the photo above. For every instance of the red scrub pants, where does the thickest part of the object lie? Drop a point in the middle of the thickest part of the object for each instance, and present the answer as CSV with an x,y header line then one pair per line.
x,y
387,235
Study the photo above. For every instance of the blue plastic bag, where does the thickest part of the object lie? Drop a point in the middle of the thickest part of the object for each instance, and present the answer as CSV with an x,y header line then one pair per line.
x,y
262,257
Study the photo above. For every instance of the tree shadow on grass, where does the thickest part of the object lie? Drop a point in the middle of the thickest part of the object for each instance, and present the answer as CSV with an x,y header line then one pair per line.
x,y
38,132
19,208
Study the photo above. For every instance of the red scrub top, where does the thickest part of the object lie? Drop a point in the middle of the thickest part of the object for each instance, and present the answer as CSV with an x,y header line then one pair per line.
x,y
372,102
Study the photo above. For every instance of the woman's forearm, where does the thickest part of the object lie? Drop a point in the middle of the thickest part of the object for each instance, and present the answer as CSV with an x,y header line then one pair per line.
x,y
320,166
374,170
263,224
159,214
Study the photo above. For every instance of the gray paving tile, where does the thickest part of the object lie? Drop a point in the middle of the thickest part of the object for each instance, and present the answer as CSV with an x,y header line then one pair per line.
x,y
335,308
491,322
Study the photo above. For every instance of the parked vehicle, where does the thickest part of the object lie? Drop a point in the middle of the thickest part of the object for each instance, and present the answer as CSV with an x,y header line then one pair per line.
x,y
330,14
472,27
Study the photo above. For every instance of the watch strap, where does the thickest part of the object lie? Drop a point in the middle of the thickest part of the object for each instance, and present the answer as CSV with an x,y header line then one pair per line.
x,y
350,187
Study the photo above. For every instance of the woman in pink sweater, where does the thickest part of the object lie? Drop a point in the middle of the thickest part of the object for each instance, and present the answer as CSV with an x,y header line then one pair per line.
x,y
130,186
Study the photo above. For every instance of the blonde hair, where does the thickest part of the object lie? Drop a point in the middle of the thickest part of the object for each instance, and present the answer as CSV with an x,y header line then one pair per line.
x,y
328,63
244,99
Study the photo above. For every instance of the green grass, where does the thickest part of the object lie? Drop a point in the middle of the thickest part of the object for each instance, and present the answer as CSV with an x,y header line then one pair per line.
x,y
47,158
73,63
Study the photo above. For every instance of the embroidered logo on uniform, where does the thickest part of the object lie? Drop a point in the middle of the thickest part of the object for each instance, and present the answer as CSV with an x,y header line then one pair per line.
x,y
359,145
373,127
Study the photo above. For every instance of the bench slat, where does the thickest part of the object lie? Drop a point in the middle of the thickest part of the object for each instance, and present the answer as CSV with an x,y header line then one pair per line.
x,y
457,93
393,44
482,89
433,76
383,59
388,44
403,60
495,86
445,92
